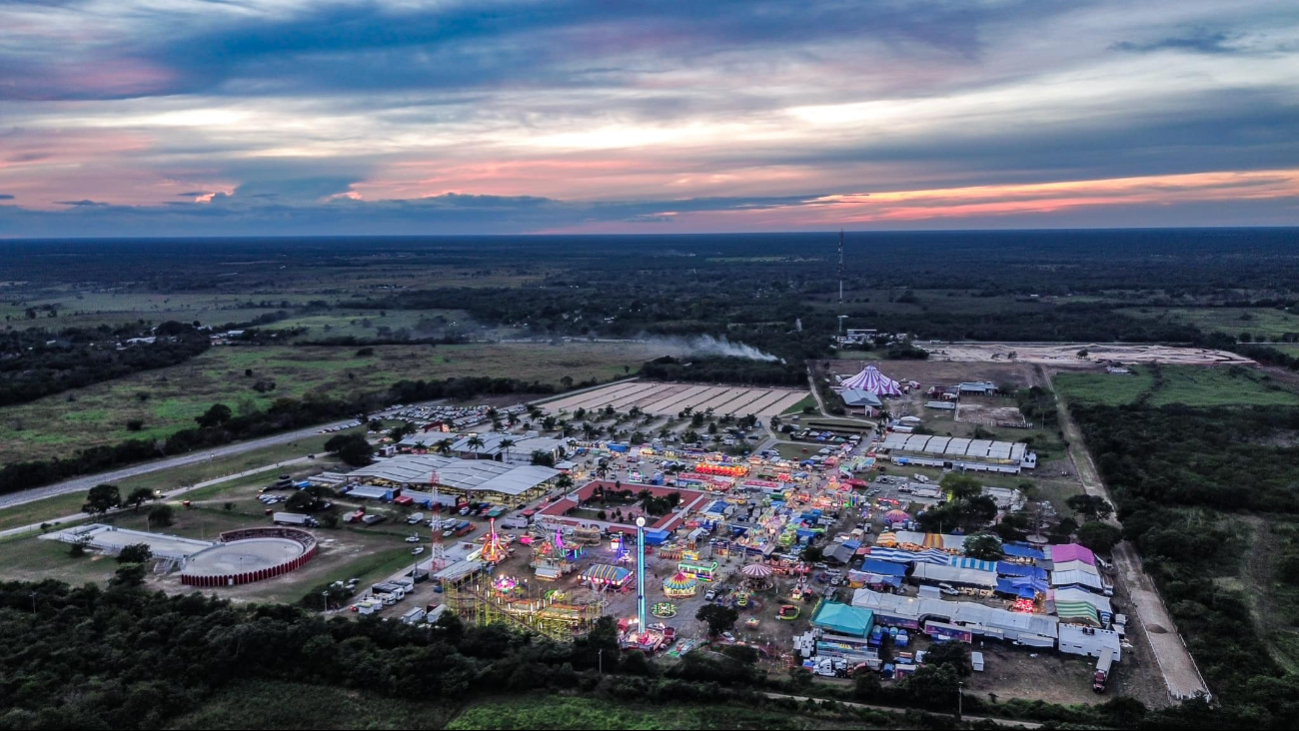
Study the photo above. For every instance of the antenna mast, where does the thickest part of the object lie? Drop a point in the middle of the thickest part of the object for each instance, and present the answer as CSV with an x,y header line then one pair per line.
x,y
841,281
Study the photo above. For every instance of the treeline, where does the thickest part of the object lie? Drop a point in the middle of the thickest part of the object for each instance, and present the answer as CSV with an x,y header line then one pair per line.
x,y
36,363
283,415
1225,458
1069,322
725,370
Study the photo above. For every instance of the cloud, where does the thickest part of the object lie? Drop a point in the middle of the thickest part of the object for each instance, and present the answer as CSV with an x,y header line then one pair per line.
x,y
1199,40
80,203
6,197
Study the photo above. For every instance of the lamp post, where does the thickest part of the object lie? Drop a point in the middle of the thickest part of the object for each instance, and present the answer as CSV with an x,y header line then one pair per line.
x,y
325,596
959,697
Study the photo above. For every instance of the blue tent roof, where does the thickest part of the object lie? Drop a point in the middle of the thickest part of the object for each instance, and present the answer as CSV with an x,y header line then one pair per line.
x,y
1019,550
887,568
1013,569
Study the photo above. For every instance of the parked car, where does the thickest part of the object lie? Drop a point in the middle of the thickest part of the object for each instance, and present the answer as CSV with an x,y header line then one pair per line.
x,y
417,551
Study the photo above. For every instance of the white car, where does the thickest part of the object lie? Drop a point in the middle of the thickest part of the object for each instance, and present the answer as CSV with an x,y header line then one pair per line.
x,y
412,539
417,551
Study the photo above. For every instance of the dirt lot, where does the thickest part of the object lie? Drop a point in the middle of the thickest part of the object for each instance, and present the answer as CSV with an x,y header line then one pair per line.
x,y
940,372
1065,354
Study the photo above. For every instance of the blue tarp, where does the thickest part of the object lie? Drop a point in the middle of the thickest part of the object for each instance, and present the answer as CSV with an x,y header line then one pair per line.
x,y
805,533
879,566
655,536
854,545
1019,550
1005,568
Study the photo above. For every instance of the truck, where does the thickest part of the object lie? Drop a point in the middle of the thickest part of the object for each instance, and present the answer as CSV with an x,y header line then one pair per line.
x,y
294,519
371,519
1103,665
415,518
465,528
414,615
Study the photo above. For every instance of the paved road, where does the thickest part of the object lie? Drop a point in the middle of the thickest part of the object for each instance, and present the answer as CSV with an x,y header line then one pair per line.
x,y
171,494
891,709
1181,675
83,484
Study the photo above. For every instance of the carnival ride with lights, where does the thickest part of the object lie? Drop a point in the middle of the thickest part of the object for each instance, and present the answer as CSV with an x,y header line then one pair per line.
x,y
559,615
494,549
554,558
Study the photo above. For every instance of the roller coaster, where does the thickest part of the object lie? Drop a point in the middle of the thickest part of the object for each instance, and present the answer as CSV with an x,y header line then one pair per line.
x,y
551,613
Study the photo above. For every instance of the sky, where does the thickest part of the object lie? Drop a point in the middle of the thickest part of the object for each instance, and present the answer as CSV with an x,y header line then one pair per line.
x,y
314,117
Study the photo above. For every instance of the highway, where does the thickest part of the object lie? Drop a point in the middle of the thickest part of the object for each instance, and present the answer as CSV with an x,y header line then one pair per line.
x,y
83,484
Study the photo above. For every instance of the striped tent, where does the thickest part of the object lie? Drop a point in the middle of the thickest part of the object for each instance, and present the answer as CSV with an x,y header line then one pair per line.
x,y
961,562
896,555
872,381
680,583
887,539
602,573
934,556
1077,612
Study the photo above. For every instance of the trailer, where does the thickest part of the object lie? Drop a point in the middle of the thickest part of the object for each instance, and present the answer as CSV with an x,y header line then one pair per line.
x,y
414,615
294,519
414,518
1103,665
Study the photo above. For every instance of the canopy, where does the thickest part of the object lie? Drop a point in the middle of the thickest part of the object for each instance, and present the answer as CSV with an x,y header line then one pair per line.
x,y
872,381
896,516
758,570
680,582
843,619
886,539
606,574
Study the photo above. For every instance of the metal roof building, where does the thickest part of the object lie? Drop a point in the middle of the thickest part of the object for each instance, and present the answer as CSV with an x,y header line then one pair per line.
x,y
485,479
956,451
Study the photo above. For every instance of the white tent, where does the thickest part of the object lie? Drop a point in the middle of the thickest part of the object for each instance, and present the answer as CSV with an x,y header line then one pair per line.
x,y
872,381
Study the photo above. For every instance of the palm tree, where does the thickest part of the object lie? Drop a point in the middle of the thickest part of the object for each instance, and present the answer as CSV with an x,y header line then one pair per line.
x,y
589,430
505,445
443,446
474,443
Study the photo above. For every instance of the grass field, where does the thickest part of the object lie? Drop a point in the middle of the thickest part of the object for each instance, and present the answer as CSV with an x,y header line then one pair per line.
x,y
1187,385
281,705
590,713
168,399
1227,320
798,407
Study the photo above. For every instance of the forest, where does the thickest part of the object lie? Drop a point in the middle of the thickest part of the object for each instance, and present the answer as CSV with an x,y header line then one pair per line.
x,y
1178,475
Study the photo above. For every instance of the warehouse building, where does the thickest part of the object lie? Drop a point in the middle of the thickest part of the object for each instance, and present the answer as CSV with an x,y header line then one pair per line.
x,y
979,455
488,480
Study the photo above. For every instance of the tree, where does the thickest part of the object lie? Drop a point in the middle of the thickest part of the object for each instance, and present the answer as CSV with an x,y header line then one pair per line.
x,y
866,685
443,446
128,575
505,446
812,554
1093,507
984,547
138,497
215,416
354,449
961,487
1098,536
301,501
544,459
475,443
719,619
161,515
134,424
135,553
101,499
954,654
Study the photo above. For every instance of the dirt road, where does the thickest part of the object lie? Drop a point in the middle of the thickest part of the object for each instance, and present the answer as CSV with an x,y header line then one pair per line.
x,y
1181,675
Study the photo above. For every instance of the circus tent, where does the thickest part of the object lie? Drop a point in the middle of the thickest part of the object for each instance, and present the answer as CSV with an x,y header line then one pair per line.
x,y
872,381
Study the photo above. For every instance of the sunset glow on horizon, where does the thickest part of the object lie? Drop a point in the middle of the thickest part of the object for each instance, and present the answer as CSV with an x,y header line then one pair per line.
x,y
170,117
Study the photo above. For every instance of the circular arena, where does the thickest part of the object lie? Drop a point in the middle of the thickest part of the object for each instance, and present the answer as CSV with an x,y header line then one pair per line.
x,y
248,555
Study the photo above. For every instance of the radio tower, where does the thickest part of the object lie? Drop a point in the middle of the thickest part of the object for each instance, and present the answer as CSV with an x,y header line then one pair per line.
x,y
437,553
840,270
840,313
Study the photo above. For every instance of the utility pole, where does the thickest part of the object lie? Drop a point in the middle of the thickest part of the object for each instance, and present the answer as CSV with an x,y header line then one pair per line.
x,y
959,695
840,271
